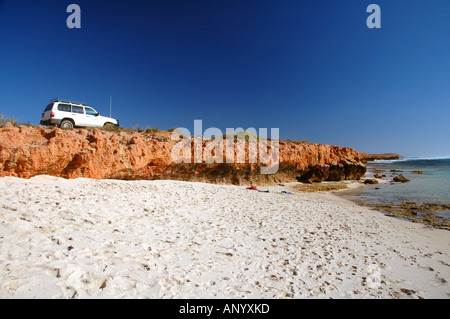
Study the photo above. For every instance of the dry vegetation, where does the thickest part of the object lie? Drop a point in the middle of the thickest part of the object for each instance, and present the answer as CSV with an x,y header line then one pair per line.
x,y
321,187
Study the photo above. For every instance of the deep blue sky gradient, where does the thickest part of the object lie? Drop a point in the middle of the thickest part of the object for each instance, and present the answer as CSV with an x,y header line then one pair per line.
x,y
310,68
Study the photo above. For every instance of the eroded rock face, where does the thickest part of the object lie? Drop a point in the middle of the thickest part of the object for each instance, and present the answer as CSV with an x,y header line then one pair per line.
x,y
385,156
27,151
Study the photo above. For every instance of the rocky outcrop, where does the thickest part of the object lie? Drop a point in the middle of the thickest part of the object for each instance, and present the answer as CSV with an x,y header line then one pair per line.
x,y
370,181
425,213
376,157
29,151
400,178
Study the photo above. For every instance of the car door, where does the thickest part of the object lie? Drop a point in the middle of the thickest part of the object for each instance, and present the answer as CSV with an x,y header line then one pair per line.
x,y
78,115
91,116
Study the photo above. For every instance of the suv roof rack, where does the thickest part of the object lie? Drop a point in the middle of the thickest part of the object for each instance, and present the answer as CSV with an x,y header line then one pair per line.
x,y
69,101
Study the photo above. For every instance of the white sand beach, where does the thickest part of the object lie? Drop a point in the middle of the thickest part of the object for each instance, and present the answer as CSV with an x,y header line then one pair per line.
x,y
86,238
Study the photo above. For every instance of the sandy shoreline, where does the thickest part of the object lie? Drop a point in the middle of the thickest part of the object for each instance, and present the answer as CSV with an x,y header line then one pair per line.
x,y
86,238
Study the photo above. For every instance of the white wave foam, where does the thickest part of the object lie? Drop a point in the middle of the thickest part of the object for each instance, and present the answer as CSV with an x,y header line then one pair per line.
x,y
425,158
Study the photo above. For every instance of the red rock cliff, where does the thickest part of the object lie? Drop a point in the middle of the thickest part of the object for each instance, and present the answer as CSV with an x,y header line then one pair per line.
x,y
26,152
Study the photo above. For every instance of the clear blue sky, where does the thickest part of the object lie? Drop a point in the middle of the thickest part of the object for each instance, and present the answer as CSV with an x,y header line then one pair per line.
x,y
310,68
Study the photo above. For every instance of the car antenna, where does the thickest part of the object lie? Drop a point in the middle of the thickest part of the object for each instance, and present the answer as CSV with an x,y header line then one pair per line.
x,y
110,102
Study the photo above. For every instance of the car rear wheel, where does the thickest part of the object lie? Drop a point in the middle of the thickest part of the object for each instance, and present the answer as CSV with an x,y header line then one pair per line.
x,y
66,124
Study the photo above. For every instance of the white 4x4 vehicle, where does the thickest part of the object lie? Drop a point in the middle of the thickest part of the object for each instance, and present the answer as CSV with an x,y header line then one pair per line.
x,y
67,114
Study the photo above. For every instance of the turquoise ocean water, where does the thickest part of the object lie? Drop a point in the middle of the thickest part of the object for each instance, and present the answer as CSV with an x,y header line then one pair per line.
x,y
433,186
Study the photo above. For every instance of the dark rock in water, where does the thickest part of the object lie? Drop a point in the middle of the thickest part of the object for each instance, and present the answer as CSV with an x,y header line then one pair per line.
x,y
417,172
400,178
418,212
370,181
395,170
377,176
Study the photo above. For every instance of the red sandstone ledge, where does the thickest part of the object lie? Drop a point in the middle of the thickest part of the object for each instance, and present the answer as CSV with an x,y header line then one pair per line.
x,y
29,151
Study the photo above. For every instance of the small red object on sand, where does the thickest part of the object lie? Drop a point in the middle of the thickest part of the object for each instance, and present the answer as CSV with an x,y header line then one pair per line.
x,y
252,187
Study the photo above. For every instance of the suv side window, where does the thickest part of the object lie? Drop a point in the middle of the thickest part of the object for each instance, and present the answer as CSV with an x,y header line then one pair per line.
x,y
77,109
49,107
90,111
64,107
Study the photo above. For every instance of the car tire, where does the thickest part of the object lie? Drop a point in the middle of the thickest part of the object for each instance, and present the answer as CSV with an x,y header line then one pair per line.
x,y
66,125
